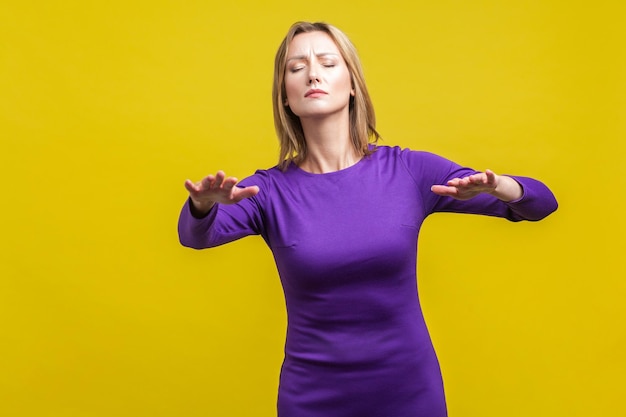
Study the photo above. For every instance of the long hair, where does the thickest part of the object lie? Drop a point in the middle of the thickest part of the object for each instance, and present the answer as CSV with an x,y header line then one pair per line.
x,y
361,110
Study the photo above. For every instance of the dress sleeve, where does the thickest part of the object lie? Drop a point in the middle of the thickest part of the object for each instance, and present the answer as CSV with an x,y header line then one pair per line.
x,y
225,222
428,169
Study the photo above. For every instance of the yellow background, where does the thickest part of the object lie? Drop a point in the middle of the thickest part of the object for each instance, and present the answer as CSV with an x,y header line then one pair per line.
x,y
107,107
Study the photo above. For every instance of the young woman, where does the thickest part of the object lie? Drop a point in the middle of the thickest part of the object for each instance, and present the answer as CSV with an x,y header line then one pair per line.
x,y
342,216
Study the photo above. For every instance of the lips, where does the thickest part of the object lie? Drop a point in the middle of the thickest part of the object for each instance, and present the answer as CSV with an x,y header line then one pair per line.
x,y
315,93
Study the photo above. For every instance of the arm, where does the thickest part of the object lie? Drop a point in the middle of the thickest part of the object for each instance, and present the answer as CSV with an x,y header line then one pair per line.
x,y
502,187
448,187
219,211
215,189
516,198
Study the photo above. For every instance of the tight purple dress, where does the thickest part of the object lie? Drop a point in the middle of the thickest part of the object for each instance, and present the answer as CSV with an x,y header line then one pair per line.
x,y
345,244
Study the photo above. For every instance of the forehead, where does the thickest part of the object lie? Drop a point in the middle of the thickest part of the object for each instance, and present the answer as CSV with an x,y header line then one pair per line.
x,y
312,43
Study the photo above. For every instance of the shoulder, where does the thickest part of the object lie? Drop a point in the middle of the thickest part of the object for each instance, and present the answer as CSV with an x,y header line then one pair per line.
x,y
425,168
407,155
262,178
267,179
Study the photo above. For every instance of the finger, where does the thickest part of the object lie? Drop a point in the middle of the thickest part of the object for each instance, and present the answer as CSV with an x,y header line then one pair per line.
x,y
191,186
444,190
454,182
464,182
478,179
219,179
207,182
229,183
247,192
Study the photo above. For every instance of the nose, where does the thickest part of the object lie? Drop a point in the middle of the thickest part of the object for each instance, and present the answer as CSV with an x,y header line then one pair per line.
x,y
313,77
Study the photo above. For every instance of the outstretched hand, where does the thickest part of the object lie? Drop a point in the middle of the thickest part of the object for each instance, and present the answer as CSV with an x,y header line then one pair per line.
x,y
217,188
469,187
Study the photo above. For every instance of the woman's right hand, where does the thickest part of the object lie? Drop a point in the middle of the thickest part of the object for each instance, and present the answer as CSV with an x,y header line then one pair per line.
x,y
216,188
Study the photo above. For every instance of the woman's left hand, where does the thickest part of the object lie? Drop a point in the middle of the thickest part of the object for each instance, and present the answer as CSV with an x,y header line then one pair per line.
x,y
502,187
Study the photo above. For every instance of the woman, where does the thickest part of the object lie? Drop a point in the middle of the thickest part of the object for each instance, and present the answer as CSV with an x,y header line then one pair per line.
x,y
342,216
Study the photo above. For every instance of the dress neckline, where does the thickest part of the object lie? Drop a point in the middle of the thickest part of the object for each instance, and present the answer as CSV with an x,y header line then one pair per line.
x,y
295,168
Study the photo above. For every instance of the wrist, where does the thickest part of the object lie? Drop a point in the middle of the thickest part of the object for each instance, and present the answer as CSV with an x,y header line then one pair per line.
x,y
507,189
200,208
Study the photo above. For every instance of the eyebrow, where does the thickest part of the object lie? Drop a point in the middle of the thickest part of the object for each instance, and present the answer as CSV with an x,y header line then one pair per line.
x,y
303,57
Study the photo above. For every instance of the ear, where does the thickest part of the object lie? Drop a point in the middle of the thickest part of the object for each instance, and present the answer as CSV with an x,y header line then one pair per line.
x,y
286,103
352,92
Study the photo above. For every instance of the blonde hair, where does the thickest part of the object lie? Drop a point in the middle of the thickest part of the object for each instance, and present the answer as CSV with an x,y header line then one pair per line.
x,y
361,112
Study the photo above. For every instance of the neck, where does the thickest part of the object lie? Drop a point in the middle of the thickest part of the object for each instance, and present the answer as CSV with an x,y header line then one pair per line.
x,y
329,147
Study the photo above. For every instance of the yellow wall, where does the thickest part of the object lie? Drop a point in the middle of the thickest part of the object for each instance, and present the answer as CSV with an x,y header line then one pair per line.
x,y
107,107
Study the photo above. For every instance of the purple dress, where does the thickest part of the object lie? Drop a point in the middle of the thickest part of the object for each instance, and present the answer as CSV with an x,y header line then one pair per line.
x,y
345,244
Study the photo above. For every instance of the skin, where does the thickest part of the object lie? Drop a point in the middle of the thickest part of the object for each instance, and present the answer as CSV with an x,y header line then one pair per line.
x,y
315,63
500,186
216,189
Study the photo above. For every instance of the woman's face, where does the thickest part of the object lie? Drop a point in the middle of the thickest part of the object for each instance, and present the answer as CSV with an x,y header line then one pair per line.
x,y
317,79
